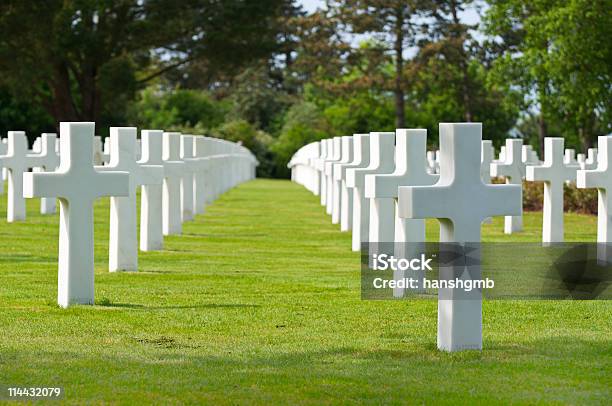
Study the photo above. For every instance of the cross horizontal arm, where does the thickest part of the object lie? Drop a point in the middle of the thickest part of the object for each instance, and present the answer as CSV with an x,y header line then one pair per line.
x,y
420,202
593,178
508,200
44,184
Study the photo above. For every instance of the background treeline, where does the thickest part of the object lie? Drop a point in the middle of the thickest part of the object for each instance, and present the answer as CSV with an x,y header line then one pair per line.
x,y
267,73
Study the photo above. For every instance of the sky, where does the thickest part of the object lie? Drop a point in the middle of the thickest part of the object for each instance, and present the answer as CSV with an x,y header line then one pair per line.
x,y
469,16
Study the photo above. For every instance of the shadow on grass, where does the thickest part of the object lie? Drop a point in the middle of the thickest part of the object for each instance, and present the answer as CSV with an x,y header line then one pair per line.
x,y
387,375
11,259
170,307
225,235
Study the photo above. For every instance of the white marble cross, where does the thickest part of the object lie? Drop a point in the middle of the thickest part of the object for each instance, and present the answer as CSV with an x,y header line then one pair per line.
x,y
381,189
360,159
460,201
45,160
3,150
320,167
36,145
433,166
581,159
569,157
513,169
192,165
98,151
554,173
223,169
123,241
77,185
106,150
529,156
151,234
312,161
336,156
379,162
589,161
219,168
502,154
486,158
347,158
174,170
201,150
211,169
601,178
15,161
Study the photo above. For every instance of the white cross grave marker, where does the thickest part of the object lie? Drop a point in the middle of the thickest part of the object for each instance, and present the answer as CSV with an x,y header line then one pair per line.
x,y
316,178
339,189
601,178
191,167
46,160
320,167
502,154
380,161
36,145
174,169
529,156
98,151
106,151
361,145
554,173
201,150
569,157
381,189
591,160
151,234
3,150
331,192
77,185
123,242
588,161
460,201
433,166
513,169
486,158
16,162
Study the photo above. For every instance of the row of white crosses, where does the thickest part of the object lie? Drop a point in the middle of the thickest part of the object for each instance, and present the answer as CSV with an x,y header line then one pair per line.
x,y
394,189
178,174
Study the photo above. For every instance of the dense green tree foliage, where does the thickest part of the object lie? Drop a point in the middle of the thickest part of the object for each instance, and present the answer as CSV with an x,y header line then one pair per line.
x,y
274,77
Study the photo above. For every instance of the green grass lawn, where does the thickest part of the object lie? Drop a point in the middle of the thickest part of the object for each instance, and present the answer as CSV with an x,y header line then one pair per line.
x,y
259,302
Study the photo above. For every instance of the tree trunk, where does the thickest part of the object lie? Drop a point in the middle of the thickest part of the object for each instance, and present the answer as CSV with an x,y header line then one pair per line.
x,y
542,133
400,118
465,79
63,104
90,96
587,132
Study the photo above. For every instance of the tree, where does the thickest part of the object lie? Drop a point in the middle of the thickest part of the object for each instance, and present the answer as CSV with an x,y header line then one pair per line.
x,y
257,97
78,57
392,22
450,40
558,53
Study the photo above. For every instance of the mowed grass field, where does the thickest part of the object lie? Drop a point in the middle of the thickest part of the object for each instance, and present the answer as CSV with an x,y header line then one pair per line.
x,y
259,302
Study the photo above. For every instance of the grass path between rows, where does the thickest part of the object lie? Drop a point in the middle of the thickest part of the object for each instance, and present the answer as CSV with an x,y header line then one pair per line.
x,y
259,302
